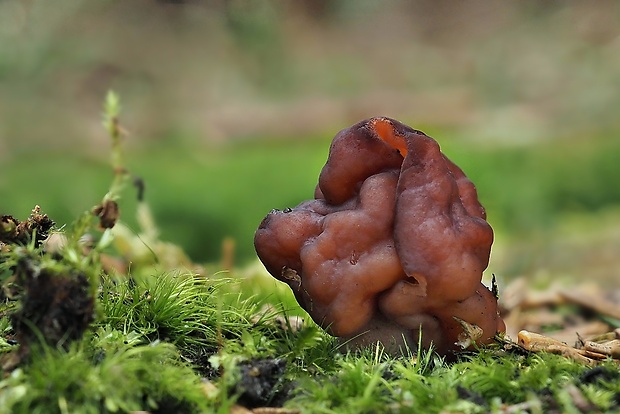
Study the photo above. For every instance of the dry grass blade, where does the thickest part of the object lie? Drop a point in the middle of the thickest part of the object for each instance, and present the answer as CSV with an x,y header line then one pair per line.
x,y
593,301
588,353
548,321
610,348
563,314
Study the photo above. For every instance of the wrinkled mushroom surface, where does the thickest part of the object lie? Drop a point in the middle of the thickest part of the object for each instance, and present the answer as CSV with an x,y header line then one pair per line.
x,y
394,241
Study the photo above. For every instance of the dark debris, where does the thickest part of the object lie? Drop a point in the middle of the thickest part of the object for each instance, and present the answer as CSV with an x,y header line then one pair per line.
x,y
599,374
472,396
13,231
108,213
262,383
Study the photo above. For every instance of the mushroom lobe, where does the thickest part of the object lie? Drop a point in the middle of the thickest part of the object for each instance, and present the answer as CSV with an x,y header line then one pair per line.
x,y
391,248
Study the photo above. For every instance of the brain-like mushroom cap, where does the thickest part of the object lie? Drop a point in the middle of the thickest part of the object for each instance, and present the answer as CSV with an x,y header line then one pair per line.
x,y
394,241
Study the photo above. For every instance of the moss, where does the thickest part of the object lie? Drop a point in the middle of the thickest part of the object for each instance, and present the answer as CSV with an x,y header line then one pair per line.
x,y
148,340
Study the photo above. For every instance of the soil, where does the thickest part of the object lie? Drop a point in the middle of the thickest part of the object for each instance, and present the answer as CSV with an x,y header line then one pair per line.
x,y
55,306
262,383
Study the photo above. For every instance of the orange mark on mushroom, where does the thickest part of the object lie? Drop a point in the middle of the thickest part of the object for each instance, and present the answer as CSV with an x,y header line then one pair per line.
x,y
384,129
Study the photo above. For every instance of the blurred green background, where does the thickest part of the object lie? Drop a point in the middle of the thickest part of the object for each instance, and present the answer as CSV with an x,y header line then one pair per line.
x,y
230,106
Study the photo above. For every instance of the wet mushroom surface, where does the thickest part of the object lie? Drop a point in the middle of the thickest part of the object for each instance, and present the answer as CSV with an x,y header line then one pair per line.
x,y
393,245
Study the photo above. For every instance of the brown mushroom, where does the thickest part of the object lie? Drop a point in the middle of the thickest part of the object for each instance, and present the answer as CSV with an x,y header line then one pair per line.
x,y
395,241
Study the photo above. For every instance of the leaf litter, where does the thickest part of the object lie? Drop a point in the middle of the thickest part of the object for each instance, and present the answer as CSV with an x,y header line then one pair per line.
x,y
581,323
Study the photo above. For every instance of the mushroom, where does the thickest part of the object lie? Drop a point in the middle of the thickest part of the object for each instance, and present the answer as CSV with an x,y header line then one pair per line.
x,y
391,248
